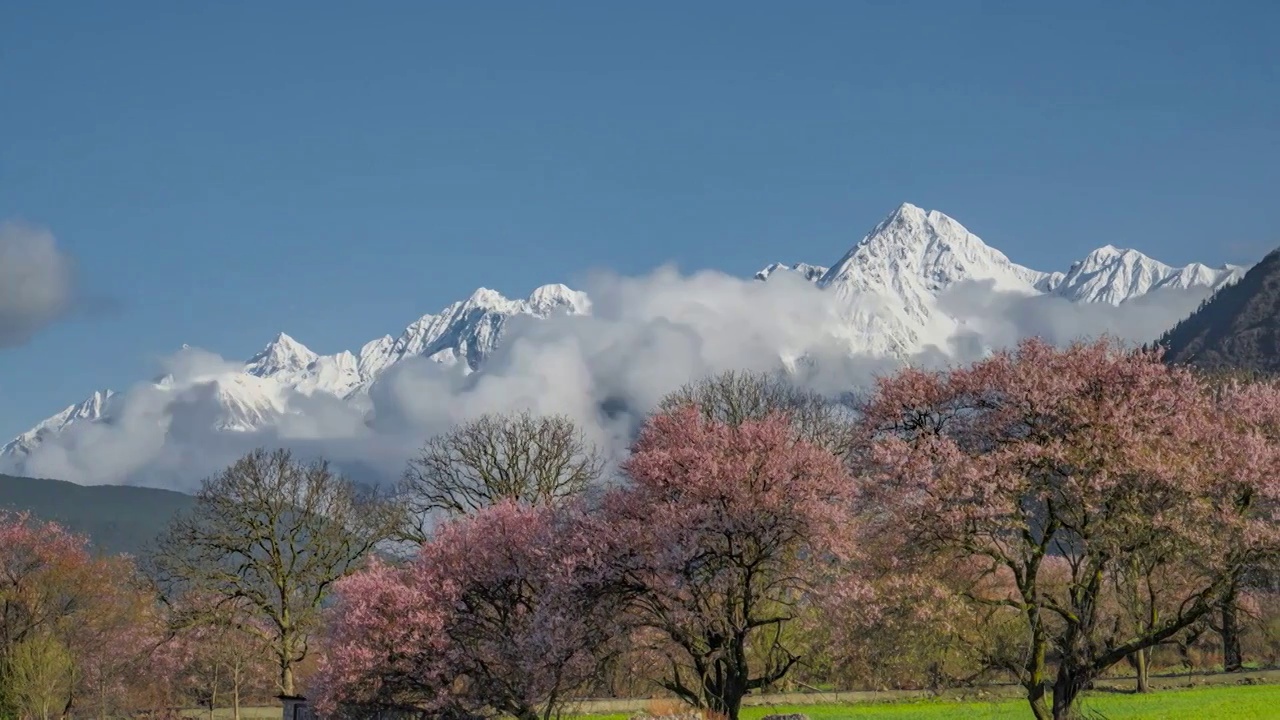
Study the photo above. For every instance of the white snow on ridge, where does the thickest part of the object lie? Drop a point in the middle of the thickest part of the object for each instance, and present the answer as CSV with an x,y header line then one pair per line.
x,y
1113,275
885,291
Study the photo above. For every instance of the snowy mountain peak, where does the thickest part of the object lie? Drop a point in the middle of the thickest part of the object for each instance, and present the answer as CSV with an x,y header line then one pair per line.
x,y
812,273
905,213
486,298
281,355
908,259
929,249
1110,254
1112,275
547,299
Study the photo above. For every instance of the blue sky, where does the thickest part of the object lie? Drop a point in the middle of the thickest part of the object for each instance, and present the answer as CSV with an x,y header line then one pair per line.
x,y
224,171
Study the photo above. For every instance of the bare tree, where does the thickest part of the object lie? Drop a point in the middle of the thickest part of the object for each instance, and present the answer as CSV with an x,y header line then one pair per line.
x,y
525,458
272,534
734,397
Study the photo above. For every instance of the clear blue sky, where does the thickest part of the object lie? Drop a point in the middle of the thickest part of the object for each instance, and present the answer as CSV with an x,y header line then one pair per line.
x,y
223,171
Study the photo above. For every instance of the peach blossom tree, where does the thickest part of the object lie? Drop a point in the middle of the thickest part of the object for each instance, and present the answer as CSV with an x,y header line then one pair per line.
x,y
719,542
501,613
1056,467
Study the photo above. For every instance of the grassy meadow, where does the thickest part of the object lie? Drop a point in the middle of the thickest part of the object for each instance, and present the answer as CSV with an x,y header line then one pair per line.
x,y
1235,701
1254,702
1222,696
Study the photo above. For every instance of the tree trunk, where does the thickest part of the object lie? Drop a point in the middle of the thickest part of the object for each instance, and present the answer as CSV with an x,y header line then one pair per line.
x,y
1232,657
724,697
1065,691
1141,666
235,701
213,697
1039,704
1036,679
213,690
286,678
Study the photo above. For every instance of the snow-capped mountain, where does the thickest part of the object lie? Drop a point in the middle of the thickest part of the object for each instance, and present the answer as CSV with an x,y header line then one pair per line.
x,y
467,330
256,395
913,247
1113,275
909,258
90,409
888,292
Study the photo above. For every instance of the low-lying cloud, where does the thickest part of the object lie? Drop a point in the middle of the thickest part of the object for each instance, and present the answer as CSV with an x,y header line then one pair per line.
x,y
36,282
993,319
645,336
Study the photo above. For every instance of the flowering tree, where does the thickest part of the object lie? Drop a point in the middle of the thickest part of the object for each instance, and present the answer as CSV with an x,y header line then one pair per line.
x,y
1249,404
77,625
1058,467
717,543
500,614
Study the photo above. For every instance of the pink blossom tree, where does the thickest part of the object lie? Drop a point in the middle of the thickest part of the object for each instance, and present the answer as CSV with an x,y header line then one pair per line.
x,y
500,614
1250,405
719,541
1057,467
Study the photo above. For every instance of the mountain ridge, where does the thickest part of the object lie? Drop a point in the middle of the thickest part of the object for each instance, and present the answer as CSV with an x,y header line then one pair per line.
x,y
885,289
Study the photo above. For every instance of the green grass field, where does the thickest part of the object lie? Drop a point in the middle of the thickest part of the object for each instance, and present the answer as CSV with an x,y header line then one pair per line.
x,y
1234,702
1243,702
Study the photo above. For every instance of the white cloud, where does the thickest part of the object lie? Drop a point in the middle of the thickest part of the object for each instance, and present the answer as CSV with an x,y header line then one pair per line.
x,y
645,337
999,319
36,282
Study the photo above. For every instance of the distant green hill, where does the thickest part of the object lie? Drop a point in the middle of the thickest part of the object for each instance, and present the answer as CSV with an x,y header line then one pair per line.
x,y
117,518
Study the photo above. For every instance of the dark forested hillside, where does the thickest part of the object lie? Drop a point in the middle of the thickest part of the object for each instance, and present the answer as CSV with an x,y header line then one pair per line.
x,y
1238,328
117,518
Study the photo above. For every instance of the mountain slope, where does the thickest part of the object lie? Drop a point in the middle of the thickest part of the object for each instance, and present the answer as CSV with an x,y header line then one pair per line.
x,y
117,518
1238,328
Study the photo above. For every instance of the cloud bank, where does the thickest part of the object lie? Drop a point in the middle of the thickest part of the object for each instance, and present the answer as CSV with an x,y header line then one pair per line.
x,y
993,319
645,337
36,282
